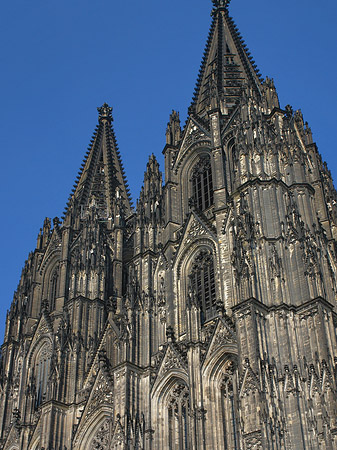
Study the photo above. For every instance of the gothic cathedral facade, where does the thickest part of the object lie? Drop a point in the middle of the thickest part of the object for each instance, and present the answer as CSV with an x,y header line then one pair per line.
x,y
205,317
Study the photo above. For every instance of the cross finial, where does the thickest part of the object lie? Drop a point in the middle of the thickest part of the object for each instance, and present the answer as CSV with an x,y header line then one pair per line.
x,y
104,112
221,3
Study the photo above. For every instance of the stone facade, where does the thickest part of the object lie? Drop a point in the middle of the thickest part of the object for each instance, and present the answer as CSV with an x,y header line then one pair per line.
x,y
205,317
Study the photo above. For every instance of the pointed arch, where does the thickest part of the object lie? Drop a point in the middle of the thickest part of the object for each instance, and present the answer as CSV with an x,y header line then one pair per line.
x,y
172,412
50,281
198,155
35,444
202,183
39,362
184,270
202,284
41,372
222,398
98,428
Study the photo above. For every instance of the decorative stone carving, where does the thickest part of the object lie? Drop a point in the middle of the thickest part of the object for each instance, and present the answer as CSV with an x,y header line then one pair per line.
x,y
101,395
171,361
253,441
196,230
102,439
275,263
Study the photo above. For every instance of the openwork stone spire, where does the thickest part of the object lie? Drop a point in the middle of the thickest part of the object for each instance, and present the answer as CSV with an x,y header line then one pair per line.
x,y
226,68
101,178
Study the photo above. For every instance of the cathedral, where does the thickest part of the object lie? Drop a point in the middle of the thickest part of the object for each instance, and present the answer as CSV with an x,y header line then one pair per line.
x,y
203,318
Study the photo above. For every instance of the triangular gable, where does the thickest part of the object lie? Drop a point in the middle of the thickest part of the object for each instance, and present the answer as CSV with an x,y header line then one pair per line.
x,y
111,328
118,437
314,382
291,385
37,433
326,378
53,247
228,128
269,378
249,383
13,438
138,433
44,328
162,263
194,229
194,133
172,360
101,395
223,339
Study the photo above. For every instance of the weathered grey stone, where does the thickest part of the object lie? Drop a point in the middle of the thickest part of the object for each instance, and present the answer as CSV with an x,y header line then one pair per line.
x,y
204,319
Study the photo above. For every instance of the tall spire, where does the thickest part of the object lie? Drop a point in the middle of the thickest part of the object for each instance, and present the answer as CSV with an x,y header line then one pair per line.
x,y
101,179
227,67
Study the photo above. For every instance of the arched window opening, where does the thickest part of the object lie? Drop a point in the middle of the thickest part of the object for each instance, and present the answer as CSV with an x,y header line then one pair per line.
x,y
202,284
42,368
53,290
202,184
229,409
178,417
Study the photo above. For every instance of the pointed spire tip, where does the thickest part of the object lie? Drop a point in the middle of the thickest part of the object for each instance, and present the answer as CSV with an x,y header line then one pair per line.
x,y
105,112
221,3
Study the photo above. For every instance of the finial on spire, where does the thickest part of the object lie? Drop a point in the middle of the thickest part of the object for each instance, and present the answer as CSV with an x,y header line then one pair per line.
x,y
221,3
105,112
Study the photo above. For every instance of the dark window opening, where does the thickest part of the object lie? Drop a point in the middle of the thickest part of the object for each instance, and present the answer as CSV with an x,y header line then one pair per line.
x,y
202,184
229,408
178,418
202,284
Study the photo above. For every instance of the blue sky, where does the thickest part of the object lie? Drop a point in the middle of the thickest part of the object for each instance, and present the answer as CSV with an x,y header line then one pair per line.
x,y
61,59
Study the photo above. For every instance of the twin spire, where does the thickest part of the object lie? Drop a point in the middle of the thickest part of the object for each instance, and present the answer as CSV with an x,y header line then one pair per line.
x,y
227,69
101,183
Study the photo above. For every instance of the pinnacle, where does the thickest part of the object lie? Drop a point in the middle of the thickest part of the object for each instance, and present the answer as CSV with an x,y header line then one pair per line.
x,y
105,112
221,3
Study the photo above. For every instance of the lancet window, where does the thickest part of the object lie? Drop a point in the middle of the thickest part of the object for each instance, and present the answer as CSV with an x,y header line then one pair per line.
x,y
202,284
202,184
229,409
42,368
178,417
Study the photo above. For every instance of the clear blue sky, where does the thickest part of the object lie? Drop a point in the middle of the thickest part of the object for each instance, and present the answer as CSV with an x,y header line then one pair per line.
x,y
61,59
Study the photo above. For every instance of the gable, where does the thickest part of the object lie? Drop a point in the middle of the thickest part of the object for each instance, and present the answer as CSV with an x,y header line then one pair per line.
x,y
43,332
173,362
195,135
222,341
196,229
